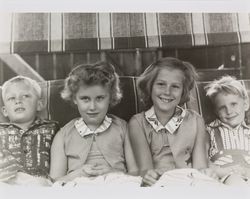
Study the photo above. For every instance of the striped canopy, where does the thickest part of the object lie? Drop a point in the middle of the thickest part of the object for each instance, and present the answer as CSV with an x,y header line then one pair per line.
x,y
60,32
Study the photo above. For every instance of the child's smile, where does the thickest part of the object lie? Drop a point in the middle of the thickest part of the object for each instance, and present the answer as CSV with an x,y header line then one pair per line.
x,y
167,90
167,100
230,108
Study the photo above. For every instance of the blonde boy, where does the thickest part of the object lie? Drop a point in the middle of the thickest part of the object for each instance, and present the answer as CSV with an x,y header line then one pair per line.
x,y
25,140
229,134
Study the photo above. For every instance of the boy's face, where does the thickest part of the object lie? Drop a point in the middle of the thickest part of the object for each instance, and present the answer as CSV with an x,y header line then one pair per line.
x,y
93,103
20,103
230,108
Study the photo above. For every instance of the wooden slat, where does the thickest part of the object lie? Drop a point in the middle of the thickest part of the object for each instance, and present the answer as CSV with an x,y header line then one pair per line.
x,y
31,32
18,65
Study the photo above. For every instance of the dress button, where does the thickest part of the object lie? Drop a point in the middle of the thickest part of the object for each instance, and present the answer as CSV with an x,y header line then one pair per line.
x,y
25,151
187,150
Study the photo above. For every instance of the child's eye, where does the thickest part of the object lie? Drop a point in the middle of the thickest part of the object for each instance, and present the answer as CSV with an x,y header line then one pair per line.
x,y
85,99
26,96
100,98
11,99
176,86
234,104
160,84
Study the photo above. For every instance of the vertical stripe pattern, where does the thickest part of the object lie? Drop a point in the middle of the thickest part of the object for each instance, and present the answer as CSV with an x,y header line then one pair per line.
x,y
56,32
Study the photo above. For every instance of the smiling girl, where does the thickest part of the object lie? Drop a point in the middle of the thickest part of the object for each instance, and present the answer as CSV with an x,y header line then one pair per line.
x,y
166,136
96,143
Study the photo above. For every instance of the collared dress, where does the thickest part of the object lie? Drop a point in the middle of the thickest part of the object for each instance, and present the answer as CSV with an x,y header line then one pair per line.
x,y
109,144
229,146
28,150
171,146
159,141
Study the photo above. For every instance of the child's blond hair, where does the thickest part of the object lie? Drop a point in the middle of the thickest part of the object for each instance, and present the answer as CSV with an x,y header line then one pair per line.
x,y
226,84
146,80
32,83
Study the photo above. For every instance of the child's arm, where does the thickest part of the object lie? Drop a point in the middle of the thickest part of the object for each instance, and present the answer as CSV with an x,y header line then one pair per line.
x,y
8,165
129,156
140,146
58,162
200,151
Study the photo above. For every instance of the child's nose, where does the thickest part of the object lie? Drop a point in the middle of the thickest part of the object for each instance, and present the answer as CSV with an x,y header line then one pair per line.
x,y
18,100
92,105
167,90
228,110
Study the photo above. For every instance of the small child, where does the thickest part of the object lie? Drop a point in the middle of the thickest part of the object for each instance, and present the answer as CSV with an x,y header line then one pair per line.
x,y
97,143
26,139
230,136
166,136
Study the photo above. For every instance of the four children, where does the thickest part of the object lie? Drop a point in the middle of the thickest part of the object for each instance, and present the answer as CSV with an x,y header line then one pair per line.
x,y
163,138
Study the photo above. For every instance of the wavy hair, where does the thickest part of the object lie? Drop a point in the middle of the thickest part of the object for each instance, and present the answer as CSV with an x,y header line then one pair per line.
x,y
99,73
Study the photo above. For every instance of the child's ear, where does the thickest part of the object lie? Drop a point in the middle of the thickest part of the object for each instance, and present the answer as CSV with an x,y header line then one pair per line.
x,y
246,104
4,111
40,105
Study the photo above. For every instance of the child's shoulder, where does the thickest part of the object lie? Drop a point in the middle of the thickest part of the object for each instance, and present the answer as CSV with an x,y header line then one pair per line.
x,y
45,123
4,125
117,120
138,116
48,121
192,113
70,124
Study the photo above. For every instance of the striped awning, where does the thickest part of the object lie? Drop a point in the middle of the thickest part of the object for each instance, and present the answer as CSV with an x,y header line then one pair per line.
x,y
60,32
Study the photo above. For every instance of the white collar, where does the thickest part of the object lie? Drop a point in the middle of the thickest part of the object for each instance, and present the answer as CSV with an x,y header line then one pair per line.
x,y
84,130
172,124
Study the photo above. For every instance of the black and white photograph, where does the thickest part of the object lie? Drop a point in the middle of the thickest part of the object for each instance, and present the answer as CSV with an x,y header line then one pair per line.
x,y
123,101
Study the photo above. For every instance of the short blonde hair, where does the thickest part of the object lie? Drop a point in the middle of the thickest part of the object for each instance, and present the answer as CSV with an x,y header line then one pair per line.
x,y
28,81
226,84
